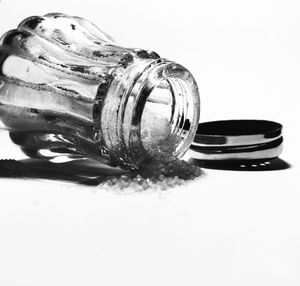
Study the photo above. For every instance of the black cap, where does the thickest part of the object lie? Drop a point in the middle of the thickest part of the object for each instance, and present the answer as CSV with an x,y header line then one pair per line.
x,y
237,140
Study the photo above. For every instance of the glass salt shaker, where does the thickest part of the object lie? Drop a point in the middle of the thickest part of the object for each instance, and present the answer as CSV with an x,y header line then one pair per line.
x,y
66,88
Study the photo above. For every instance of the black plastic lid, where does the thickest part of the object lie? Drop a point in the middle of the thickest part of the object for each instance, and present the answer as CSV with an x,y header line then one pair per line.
x,y
240,140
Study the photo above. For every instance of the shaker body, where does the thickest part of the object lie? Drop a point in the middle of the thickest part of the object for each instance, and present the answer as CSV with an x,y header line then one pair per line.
x,y
67,89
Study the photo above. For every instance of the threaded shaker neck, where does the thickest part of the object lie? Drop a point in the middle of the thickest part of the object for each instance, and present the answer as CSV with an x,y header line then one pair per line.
x,y
146,105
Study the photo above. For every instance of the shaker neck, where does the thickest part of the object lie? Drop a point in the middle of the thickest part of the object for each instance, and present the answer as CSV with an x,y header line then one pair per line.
x,y
144,101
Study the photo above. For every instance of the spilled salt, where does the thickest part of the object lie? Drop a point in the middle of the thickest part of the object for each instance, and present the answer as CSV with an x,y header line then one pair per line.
x,y
161,169
157,173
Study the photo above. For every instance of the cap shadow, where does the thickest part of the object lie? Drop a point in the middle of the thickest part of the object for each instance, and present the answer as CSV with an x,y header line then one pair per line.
x,y
249,165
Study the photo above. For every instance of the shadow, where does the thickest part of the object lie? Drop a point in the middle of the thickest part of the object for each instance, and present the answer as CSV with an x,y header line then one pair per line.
x,y
82,171
250,165
92,173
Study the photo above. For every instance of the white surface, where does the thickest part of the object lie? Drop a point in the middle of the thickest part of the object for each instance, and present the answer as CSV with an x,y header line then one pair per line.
x,y
229,228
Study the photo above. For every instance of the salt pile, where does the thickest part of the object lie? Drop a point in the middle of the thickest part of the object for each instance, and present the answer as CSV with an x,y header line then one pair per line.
x,y
158,173
161,169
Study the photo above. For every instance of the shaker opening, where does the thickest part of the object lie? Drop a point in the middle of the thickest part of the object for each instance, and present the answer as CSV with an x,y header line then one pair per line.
x,y
161,113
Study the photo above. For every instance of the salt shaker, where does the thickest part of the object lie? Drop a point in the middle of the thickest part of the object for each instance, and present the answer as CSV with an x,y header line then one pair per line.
x,y
67,88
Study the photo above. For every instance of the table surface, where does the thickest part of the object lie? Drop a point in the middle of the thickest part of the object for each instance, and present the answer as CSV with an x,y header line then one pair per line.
x,y
225,228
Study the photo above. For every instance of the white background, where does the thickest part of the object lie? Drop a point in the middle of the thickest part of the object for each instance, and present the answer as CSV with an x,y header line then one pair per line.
x,y
228,228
